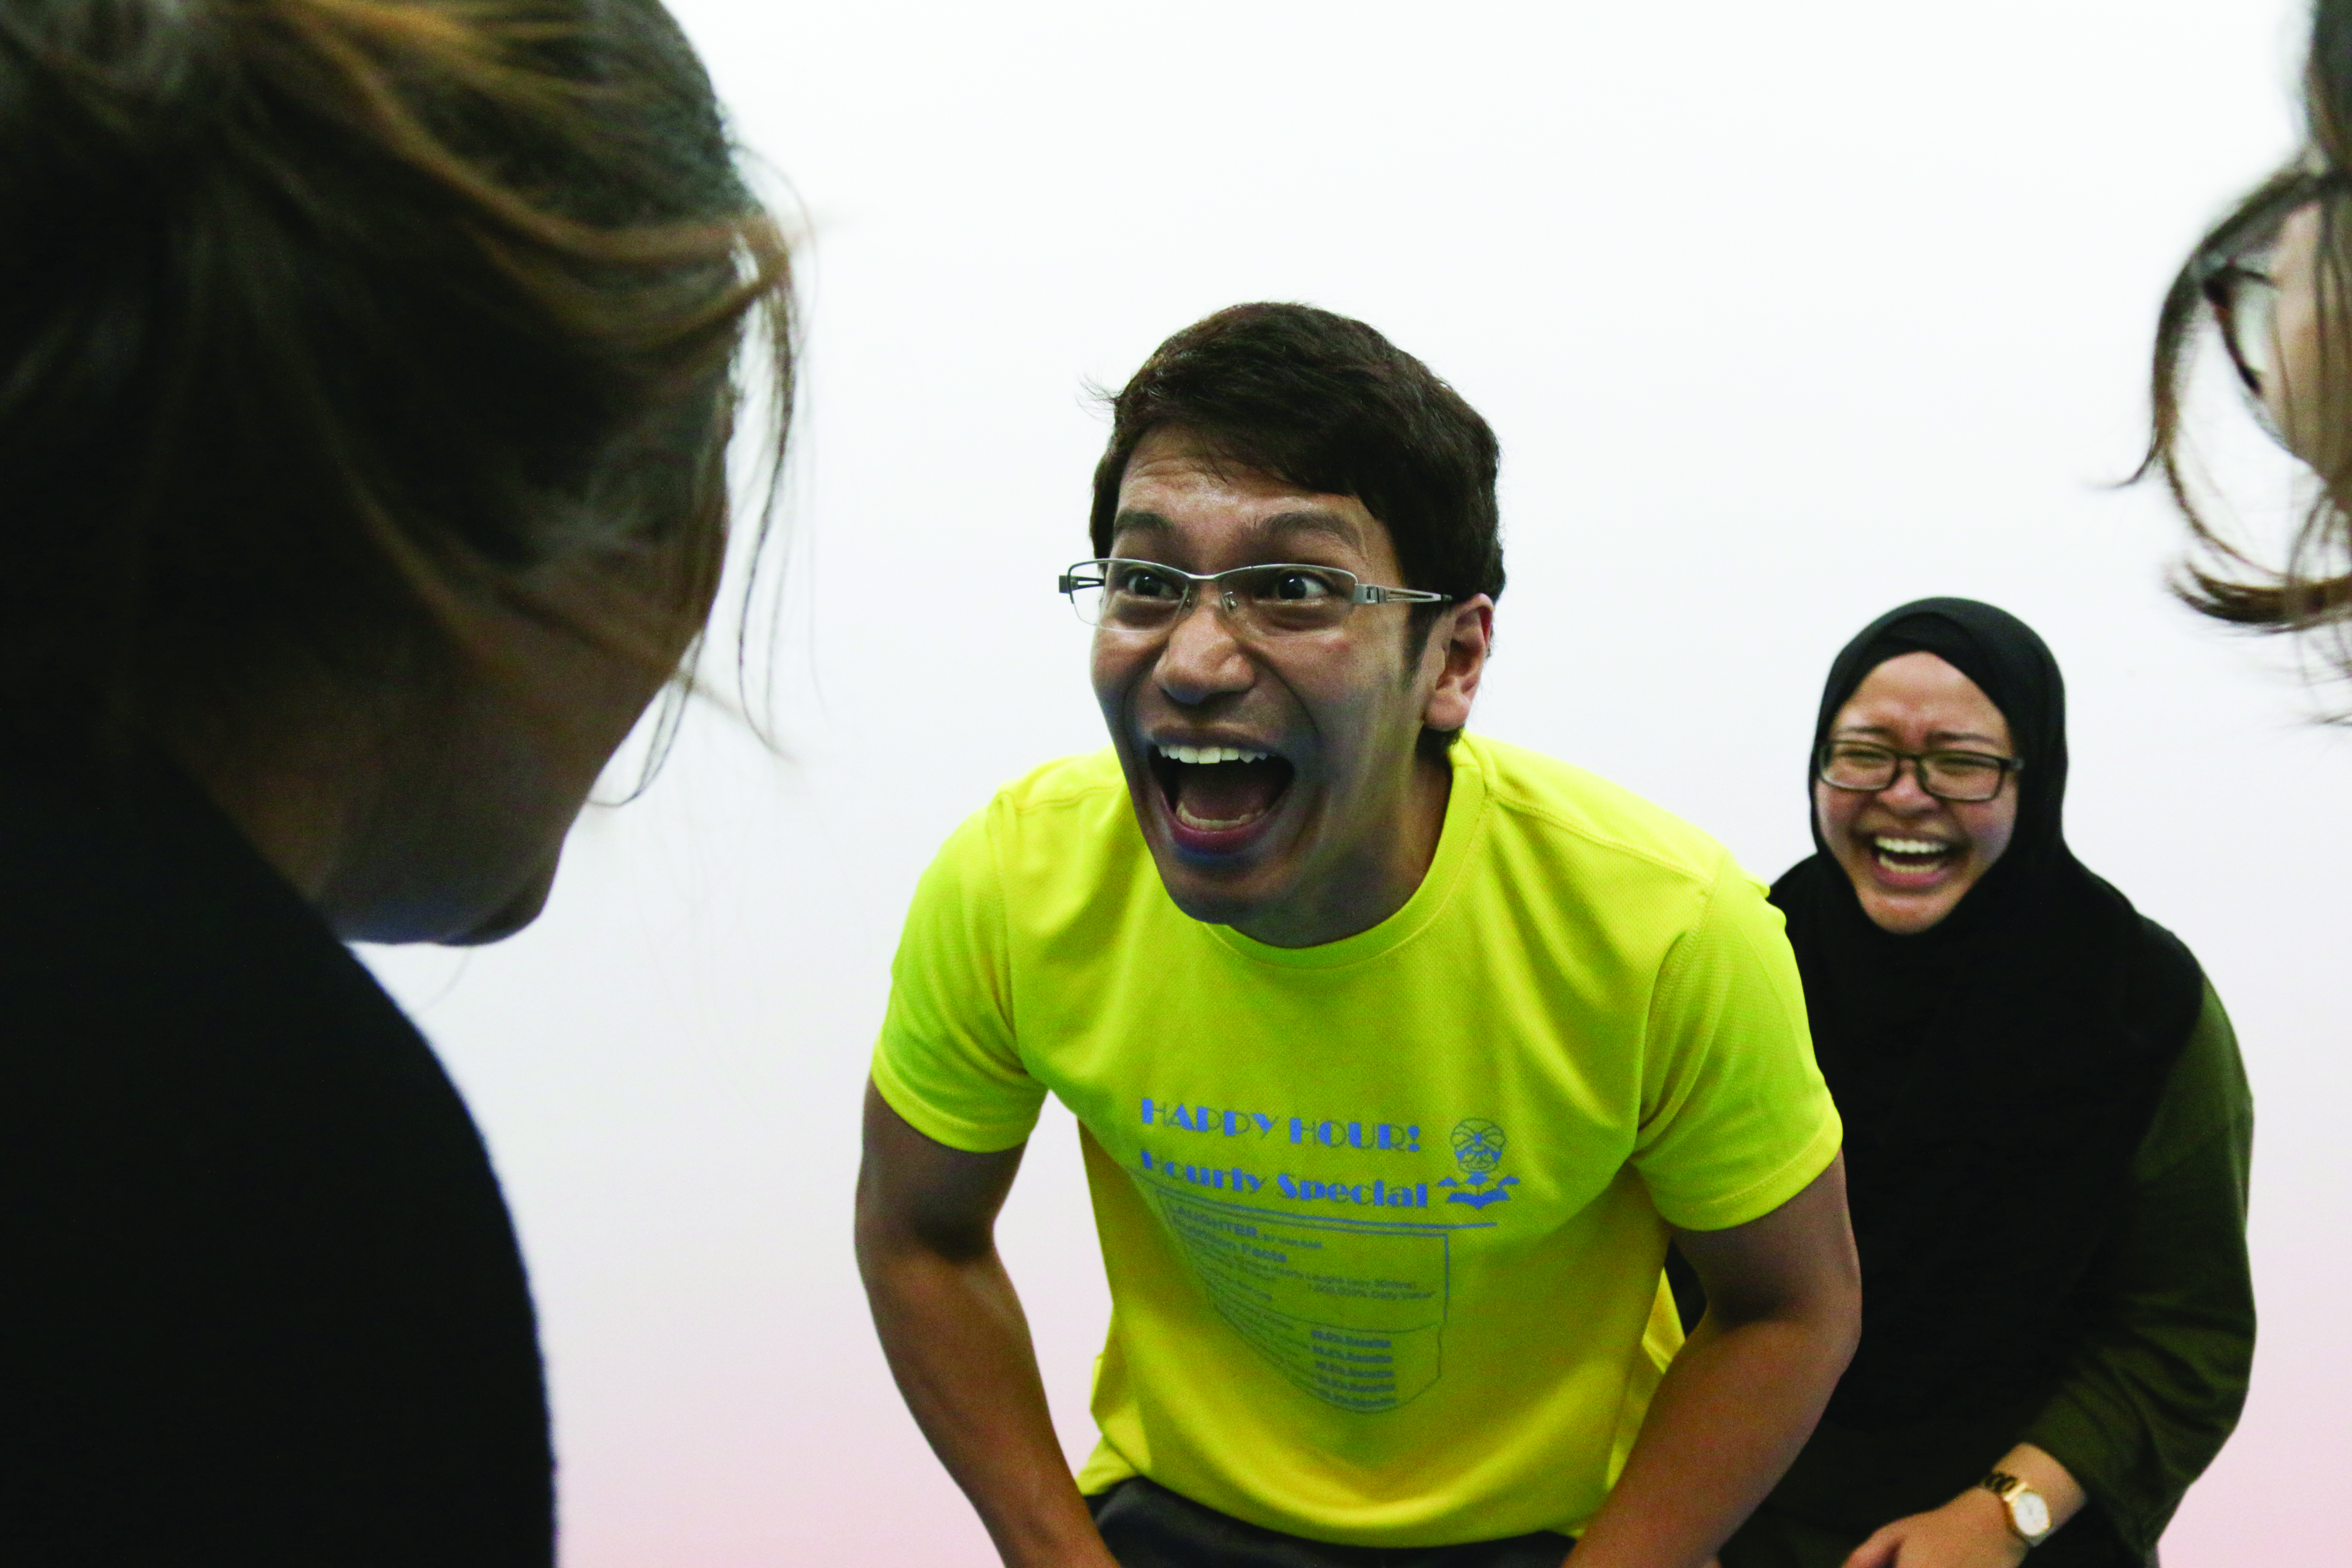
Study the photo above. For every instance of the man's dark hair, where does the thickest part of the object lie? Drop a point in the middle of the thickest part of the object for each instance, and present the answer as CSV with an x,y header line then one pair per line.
x,y
1327,404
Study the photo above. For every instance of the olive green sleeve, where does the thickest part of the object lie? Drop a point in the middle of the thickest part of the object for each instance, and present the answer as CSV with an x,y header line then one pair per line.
x,y
2157,1385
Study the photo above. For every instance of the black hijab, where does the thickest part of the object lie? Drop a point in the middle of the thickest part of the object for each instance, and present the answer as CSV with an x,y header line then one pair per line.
x,y
1995,1071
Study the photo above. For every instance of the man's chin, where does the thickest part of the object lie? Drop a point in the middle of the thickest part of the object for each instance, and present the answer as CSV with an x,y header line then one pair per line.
x,y
1240,890
1226,900
1221,875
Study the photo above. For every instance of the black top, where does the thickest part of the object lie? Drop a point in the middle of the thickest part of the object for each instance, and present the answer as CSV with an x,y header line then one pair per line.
x,y
265,1304
2151,1391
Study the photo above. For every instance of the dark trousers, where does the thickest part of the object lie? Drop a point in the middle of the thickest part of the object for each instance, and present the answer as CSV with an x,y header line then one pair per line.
x,y
1146,1526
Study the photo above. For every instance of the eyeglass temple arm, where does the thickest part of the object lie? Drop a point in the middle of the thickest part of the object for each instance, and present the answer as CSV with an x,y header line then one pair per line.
x,y
1371,594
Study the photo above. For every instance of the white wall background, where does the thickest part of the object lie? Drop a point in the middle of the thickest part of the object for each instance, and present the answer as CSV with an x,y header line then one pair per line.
x,y
1783,313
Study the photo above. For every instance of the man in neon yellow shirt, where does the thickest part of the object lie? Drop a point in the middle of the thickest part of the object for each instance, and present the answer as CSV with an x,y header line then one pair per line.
x,y
1399,1053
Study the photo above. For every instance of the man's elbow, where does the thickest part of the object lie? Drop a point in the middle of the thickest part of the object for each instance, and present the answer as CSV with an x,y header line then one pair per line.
x,y
892,1235
1830,1270
872,1237
1833,1308
884,1232
1843,1330
1822,1303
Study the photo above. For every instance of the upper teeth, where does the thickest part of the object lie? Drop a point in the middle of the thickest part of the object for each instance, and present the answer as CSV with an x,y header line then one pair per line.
x,y
1200,755
1910,845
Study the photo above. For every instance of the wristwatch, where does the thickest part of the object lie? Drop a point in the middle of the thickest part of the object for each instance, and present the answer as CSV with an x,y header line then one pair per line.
x,y
2029,1515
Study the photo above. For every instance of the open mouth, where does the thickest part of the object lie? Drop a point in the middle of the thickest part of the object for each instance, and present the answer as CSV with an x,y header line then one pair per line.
x,y
1912,858
1218,796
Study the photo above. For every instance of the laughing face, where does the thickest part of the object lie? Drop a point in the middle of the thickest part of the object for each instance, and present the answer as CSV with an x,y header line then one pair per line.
x,y
1278,777
1912,857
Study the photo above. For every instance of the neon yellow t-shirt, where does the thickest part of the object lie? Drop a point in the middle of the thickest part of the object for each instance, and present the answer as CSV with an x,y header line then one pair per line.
x,y
1383,1219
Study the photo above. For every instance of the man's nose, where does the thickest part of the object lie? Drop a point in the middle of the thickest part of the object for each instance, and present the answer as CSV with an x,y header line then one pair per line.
x,y
1203,658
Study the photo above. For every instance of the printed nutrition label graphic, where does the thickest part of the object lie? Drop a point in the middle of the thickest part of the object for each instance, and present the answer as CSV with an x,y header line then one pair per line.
x,y
1352,1311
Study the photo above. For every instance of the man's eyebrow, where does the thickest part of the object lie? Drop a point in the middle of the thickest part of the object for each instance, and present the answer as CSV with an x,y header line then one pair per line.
x,y
1313,519
1274,525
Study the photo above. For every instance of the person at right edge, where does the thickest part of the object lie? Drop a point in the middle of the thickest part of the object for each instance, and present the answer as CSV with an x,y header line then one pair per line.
x,y
2048,1131
2274,275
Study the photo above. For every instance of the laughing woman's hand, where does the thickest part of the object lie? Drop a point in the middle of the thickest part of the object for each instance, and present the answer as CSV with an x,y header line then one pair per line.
x,y
1969,1531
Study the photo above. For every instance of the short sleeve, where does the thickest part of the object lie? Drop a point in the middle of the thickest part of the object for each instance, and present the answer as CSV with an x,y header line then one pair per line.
x,y
1735,1118
947,1060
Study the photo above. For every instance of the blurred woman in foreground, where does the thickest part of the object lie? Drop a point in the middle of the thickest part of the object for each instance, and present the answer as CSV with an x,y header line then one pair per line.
x,y
2275,276
2047,1137
366,378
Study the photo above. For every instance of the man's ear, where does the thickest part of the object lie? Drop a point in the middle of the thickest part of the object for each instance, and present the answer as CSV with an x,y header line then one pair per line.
x,y
1458,644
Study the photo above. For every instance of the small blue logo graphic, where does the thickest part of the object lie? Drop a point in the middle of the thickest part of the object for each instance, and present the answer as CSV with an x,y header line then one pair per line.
x,y
1478,1146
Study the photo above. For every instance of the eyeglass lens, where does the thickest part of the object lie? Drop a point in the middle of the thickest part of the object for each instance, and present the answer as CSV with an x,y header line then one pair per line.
x,y
1950,775
2243,288
2245,301
1132,595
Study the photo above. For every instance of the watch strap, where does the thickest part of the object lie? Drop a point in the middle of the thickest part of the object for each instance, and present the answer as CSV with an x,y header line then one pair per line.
x,y
2008,1488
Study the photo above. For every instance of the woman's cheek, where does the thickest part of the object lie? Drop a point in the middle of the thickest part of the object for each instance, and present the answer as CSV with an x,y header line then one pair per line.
x,y
1989,831
1834,810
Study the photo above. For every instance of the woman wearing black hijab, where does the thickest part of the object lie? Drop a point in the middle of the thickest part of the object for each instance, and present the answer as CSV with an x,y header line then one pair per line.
x,y
2047,1137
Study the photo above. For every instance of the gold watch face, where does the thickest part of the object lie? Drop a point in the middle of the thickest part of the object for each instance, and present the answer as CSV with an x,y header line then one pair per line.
x,y
2030,1513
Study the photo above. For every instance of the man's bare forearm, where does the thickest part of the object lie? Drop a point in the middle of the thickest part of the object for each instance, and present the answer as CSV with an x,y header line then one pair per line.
x,y
958,1341
1783,1316
959,1345
1729,1416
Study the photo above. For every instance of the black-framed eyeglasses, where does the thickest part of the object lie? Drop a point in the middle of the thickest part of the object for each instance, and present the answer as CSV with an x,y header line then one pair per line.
x,y
1279,599
1866,767
2236,272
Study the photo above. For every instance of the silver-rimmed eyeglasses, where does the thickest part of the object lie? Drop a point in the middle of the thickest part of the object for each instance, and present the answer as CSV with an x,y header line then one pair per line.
x,y
1276,600
1866,767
